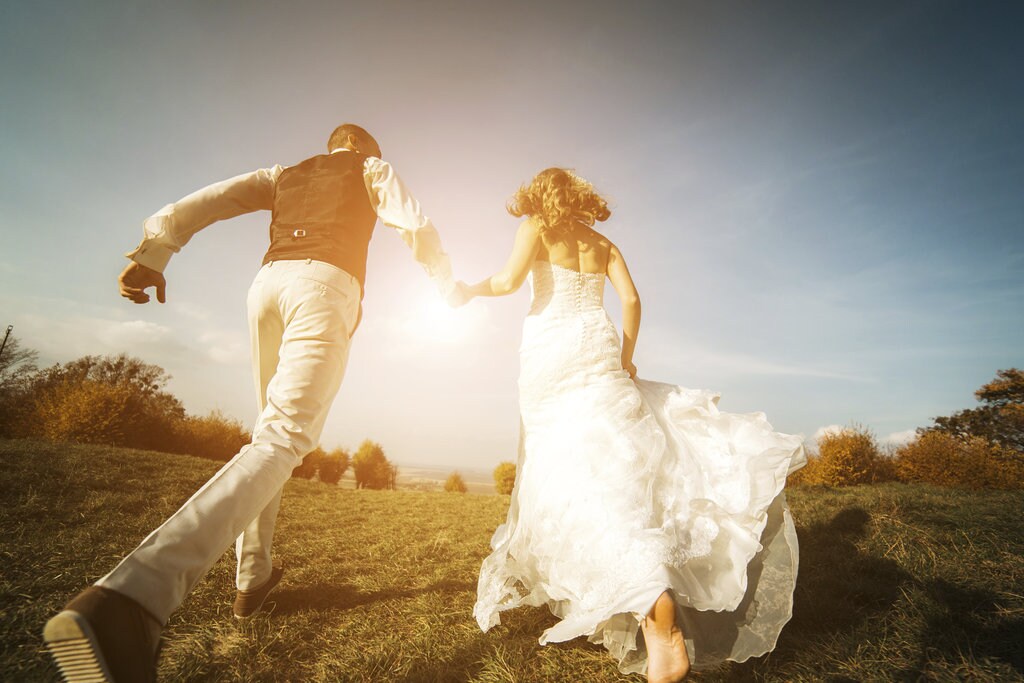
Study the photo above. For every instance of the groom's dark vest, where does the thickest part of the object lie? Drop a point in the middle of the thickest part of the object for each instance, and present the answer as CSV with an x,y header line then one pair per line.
x,y
321,211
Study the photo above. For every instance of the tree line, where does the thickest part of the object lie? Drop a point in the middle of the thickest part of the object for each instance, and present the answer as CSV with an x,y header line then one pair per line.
x,y
976,448
122,401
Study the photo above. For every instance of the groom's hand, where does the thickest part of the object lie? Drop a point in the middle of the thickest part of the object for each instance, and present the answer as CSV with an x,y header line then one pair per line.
x,y
136,278
459,296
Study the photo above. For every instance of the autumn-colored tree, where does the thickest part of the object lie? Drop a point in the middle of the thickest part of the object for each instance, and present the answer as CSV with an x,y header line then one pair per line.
x,y
505,477
215,436
455,483
1000,417
849,456
146,414
334,465
372,468
87,411
944,459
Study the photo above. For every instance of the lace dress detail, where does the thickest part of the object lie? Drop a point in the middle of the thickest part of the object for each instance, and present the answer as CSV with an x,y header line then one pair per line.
x,y
627,488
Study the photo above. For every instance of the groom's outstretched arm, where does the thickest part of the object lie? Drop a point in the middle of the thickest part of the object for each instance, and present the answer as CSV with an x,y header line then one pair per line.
x,y
397,208
170,228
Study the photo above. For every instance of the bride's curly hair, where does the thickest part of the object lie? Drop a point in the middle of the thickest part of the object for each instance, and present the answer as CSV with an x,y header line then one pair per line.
x,y
557,198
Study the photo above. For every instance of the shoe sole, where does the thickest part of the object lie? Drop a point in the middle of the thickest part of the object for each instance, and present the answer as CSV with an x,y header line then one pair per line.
x,y
75,649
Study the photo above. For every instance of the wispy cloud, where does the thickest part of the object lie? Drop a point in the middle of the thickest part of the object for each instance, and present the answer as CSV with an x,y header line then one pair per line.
x,y
58,339
225,347
688,354
69,337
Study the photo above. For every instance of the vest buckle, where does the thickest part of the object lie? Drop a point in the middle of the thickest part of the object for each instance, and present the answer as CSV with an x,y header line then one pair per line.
x,y
299,233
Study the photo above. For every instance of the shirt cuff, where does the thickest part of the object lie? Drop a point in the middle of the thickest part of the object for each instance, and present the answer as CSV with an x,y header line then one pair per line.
x,y
151,254
155,249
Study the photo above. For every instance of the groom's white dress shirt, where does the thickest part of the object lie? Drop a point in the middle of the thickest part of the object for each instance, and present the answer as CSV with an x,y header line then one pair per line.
x,y
170,228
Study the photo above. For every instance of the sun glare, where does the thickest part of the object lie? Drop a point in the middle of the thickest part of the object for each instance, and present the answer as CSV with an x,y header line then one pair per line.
x,y
433,320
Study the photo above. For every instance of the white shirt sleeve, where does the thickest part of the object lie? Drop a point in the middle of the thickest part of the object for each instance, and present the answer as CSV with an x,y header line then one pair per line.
x,y
399,210
170,228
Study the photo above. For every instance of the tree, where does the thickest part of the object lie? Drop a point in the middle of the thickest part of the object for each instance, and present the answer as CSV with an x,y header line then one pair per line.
x,y
455,483
147,415
372,468
17,365
214,436
1000,418
334,465
505,477
16,362
86,412
972,462
849,456
310,464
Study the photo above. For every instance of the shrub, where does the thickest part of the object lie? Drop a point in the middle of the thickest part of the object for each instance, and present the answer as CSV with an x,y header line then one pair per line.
x,y
972,462
214,436
310,464
505,478
372,468
114,400
333,466
455,483
86,412
847,457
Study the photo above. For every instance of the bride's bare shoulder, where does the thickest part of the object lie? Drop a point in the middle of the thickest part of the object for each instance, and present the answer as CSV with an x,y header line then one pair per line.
x,y
528,227
601,244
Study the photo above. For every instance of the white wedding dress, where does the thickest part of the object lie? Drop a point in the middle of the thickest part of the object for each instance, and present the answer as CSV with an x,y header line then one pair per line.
x,y
627,488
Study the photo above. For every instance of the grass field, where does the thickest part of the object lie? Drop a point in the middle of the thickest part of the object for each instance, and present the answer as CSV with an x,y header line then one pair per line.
x,y
897,582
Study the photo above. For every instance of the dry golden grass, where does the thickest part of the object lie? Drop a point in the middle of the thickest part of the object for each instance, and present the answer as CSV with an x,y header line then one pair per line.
x,y
897,582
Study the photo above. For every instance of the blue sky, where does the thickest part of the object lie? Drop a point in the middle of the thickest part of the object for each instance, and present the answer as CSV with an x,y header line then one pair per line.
x,y
820,202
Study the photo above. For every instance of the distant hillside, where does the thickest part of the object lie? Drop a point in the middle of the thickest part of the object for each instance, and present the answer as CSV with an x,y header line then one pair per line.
x,y
897,582
424,477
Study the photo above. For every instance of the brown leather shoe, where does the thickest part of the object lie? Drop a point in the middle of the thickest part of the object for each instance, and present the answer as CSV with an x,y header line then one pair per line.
x,y
249,601
102,635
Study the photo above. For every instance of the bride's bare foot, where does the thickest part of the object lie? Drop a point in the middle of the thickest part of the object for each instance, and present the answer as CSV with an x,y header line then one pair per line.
x,y
667,659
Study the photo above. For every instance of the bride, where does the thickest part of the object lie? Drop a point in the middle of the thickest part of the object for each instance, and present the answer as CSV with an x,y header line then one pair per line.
x,y
638,506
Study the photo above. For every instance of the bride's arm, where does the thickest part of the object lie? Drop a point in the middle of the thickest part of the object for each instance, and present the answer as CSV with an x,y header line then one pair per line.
x,y
511,277
630,298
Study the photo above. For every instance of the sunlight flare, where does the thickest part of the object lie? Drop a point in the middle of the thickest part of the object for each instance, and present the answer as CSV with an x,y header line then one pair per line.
x,y
431,320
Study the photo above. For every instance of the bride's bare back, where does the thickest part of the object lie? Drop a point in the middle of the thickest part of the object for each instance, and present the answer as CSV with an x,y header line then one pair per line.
x,y
580,248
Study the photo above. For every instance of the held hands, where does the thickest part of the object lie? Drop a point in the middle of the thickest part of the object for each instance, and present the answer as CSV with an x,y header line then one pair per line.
x,y
460,295
136,278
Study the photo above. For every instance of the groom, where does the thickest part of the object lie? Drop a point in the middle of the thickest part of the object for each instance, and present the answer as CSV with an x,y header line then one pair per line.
x,y
304,306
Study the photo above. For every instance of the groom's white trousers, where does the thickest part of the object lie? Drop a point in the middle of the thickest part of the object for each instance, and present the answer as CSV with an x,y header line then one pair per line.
x,y
301,315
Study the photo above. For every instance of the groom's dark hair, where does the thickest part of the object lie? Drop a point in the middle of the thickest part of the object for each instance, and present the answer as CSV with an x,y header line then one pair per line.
x,y
366,142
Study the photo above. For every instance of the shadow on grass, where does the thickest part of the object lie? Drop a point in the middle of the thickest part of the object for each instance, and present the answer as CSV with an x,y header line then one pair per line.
x,y
839,587
966,622
339,597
